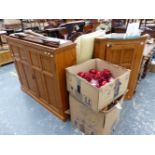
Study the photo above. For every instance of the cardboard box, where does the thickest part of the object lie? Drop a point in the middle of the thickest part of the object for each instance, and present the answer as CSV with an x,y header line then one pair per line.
x,y
96,98
95,123
152,68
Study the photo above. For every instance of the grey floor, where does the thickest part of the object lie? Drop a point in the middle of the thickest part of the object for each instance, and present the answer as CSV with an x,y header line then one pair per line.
x,y
21,115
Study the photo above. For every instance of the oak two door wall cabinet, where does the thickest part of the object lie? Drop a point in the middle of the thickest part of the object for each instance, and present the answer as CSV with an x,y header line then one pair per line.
x,y
127,53
41,71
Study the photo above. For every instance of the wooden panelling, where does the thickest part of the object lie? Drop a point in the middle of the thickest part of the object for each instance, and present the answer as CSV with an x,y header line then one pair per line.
x,y
35,59
51,92
21,73
5,57
15,51
126,53
41,86
30,79
47,64
41,71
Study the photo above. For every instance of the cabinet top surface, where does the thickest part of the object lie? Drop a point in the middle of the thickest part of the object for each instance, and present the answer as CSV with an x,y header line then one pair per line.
x,y
34,41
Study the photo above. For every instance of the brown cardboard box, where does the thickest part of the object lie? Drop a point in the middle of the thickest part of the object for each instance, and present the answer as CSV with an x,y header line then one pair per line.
x,y
97,98
152,68
94,123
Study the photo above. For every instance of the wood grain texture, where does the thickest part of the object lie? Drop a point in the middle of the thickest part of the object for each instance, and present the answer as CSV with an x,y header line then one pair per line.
x,y
126,53
5,57
41,71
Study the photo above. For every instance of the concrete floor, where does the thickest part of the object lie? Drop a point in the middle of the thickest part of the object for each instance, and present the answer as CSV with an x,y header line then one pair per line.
x,y
21,115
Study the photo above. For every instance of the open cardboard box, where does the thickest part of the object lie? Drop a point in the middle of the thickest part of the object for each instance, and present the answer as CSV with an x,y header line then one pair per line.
x,y
96,98
95,123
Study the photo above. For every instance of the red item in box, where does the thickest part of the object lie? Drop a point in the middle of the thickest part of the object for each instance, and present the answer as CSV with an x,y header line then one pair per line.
x,y
106,73
82,74
97,78
103,83
93,71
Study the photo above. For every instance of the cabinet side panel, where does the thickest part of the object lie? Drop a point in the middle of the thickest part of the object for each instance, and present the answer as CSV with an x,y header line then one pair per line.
x,y
63,60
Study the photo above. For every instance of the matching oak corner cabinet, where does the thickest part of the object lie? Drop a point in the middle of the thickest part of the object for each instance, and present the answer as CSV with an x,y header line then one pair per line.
x,y
41,71
127,53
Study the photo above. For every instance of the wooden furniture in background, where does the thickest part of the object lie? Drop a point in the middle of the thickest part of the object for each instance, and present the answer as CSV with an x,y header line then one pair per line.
x,y
2,33
119,25
58,32
147,26
74,28
146,61
5,56
126,53
41,71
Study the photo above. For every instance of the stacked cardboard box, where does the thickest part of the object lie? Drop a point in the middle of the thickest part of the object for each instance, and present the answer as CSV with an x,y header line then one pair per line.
x,y
152,65
152,68
95,123
94,110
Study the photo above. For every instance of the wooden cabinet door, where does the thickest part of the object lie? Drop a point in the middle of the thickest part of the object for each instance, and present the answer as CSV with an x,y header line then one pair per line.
x,y
19,66
123,55
50,80
43,67
35,61
24,69
21,73
126,53
128,56
31,80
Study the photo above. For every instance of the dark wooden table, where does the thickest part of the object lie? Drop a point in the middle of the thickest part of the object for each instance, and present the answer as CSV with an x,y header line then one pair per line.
x,y
55,32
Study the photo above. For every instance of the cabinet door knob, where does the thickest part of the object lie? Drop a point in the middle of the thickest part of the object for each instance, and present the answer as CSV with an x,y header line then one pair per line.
x,y
142,43
109,45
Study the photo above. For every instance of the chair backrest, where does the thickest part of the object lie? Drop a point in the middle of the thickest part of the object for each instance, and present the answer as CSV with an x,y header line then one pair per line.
x,y
70,26
126,53
148,27
119,25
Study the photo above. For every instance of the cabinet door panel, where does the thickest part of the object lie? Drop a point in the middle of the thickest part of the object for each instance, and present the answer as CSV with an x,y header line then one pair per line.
x,y
34,58
128,55
123,55
48,71
41,85
48,64
19,65
51,91
15,51
23,54
21,73
30,79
